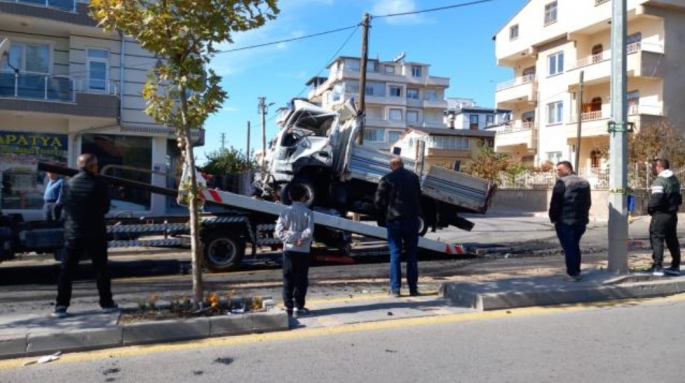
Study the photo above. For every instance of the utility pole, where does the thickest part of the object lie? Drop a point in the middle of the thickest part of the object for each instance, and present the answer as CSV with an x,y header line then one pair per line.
x,y
362,74
223,141
247,149
580,121
262,112
618,143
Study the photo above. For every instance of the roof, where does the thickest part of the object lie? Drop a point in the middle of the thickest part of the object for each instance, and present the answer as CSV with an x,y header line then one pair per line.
x,y
453,132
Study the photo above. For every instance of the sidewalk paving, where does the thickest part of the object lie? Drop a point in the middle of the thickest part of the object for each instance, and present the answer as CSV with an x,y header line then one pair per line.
x,y
32,333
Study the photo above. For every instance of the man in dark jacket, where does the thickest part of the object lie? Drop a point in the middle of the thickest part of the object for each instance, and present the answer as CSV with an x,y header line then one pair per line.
x,y
398,197
663,207
569,211
86,201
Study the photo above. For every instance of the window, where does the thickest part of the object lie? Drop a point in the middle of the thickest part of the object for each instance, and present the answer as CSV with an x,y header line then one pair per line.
x,y
368,90
373,135
98,63
431,95
473,122
554,157
395,114
514,32
413,93
555,63
389,69
416,71
351,64
634,38
489,120
555,112
446,142
33,58
394,135
551,13
395,91
412,116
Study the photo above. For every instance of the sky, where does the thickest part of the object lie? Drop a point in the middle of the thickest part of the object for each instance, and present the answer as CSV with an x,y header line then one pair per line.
x,y
457,43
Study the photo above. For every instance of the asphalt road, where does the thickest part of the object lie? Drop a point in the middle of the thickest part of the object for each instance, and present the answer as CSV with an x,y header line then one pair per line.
x,y
626,342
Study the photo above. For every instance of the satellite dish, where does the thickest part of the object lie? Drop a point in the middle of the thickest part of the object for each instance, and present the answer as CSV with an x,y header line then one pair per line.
x,y
399,57
4,46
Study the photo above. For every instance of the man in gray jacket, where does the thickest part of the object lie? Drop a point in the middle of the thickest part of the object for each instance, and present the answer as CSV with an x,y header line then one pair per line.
x,y
295,227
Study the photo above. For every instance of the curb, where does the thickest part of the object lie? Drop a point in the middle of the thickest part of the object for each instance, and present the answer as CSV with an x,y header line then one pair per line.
x,y
142,333
467,295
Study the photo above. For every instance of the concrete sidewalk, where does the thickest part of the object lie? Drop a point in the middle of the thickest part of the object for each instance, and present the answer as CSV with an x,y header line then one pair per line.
x,y
33,333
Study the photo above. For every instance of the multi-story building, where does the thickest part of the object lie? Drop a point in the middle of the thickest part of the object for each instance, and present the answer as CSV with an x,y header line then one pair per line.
x,y
463,113
67,87
549,43
398,94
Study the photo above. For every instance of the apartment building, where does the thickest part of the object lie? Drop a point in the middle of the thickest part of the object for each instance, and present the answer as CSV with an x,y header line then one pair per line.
x,y
463,113
547,44
67,87
397,94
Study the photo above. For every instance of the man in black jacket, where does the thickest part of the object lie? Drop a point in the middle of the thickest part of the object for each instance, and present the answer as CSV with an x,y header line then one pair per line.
x,y
569,211
86,201
663,207
399,197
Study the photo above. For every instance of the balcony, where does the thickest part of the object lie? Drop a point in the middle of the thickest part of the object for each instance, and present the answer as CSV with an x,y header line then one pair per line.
x,y
63,5
643,61
593,124
57,94
389,77
520,89
435,104
519,133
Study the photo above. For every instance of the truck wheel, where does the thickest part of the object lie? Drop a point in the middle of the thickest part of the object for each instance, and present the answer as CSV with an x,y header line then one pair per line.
x,y
223,252
423,226
308,186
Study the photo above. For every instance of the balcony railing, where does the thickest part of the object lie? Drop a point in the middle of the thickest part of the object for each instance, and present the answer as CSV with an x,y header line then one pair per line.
x,y
652,110
527,79
588,116
606,55
65,5
44,87
518,127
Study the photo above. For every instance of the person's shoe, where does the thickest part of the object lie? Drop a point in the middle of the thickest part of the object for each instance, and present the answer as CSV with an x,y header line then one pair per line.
x,y
572,278
301,312
60,312
656,271
672,271
289,312
110,308
414,293
395,294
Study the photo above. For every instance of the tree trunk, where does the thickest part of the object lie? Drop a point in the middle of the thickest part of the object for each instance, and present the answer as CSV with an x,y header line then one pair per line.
x,y
195,246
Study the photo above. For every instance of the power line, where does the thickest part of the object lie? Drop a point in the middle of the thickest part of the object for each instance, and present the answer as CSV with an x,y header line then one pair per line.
x,y
432,9
288,40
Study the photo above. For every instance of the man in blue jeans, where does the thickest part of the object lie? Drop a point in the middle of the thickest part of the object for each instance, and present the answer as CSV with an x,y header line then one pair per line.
x,y
398,197
569,212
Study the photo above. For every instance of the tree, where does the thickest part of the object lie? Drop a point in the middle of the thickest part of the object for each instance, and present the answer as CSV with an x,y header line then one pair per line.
x,y
489,164
227,161
660,140
180,91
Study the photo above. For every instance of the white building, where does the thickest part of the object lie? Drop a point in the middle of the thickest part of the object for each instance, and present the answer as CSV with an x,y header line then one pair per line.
x,y
398,94
67,87
462,113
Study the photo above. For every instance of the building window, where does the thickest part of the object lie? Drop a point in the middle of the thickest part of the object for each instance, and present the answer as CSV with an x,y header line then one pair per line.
x,y
395,91
431,95
32,58
413,93
98,65
412,116
555,112
489,120
448,142
551,13
416,71
394,135
554,157
555,63
389,69
351,64
368,90
373,135
395,114
473,122
514,32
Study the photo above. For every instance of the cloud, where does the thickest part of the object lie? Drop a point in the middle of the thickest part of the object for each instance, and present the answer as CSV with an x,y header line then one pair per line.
x,y
388,7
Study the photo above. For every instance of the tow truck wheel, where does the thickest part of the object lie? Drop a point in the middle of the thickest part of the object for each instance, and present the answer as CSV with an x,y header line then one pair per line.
x,y
423,226
223,252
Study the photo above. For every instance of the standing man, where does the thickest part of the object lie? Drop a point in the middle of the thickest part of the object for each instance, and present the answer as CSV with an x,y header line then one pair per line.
x,y
663,207
86,201
52,203
399,197
569,212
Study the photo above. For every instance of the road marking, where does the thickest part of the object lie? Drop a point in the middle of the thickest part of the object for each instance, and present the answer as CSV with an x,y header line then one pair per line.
x,y
133,351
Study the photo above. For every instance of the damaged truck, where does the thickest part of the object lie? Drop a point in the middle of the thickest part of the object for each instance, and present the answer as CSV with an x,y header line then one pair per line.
x,y
318,149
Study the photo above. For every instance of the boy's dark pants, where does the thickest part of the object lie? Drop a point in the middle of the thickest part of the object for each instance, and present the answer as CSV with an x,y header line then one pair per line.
x,y
295,279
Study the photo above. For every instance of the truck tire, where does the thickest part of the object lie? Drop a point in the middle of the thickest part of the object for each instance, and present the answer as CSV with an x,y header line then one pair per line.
x,y
308,185
423,226
223,251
